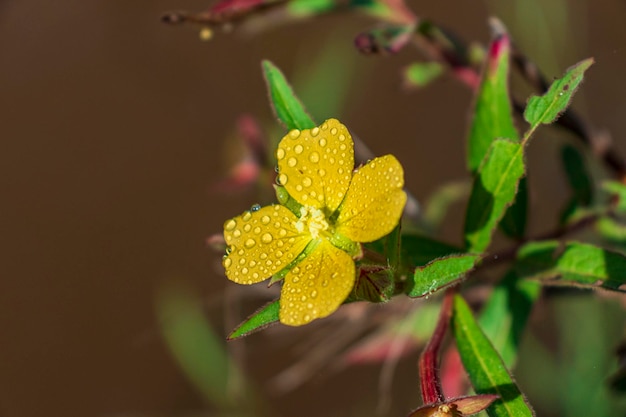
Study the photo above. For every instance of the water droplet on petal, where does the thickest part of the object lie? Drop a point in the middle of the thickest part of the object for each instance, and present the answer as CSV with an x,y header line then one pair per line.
x,y
295,133
237,233
255,207
282,179
279,253
280,153
314,157
247,228
306,181
292,162
266,238
321,172
247,216
250,243
342,137
263,256
265,219
257,230
230,225
334,131
322,142
228,262
313,294
298,188
315,131
298,149
325,283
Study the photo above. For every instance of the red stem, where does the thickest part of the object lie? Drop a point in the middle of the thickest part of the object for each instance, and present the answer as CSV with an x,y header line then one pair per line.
x,y
428,363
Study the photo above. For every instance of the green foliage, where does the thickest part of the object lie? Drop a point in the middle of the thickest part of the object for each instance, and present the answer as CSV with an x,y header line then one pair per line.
x,y
486,370
287,107
441,273
420,74
505,314
548,107
259,320
573,263
493,191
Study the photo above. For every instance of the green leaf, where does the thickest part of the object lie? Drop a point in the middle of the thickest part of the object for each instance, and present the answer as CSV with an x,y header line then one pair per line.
x,y
199,351
547,108
492,117
262,318
611,230
493,191
618,190
287,106
484,366
574,262
441,273
505,314
513,224
418,250
420,74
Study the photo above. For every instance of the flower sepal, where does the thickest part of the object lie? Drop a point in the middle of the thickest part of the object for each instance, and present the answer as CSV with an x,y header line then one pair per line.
x,y
374,284
285,199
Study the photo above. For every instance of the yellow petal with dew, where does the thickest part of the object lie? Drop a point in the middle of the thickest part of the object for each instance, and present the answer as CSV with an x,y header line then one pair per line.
x,y
261,243
316,286
315,165
374,202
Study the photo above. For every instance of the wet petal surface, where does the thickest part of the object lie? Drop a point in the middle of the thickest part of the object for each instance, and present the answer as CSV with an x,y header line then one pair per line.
x,y
317,286
374,202
315,165
261,243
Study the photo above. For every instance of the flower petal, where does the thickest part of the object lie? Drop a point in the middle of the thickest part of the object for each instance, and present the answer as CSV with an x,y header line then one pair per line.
x,y
315,165
261,243
317,286
374,202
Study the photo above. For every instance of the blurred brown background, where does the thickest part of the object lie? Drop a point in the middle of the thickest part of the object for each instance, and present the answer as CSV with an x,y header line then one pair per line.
x,y
113,131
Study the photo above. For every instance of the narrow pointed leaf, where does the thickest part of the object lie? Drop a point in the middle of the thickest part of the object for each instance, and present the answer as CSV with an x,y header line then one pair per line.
x,y
573,263
547,108
441,273
484,366
492,117
493,191
287,106
505,314
261,319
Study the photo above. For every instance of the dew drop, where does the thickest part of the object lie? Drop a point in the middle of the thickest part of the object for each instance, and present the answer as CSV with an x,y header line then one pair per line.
x,y
295,280
279,253
250,243
298,149
342,146
313,294
247,216
255,275
282,179
314,157
230,225
255,207
325,283
282,232
309,305
240,252
303,298
298,188
334,131
244,270
228,262
257,230
265,219
280,153
322,142
237,233
321,172
266,238
292,162
295,133
342,137
252,263
247,228
315,131
306,181
307,318
263,256
242,261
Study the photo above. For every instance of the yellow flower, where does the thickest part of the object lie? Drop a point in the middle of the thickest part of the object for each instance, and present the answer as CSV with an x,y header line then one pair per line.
x,y
314,247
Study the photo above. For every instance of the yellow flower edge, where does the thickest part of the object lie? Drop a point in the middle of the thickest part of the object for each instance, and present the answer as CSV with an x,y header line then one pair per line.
x,y
308,248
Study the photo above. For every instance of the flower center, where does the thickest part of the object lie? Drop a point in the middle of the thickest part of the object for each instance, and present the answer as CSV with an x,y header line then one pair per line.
x,y
312,219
